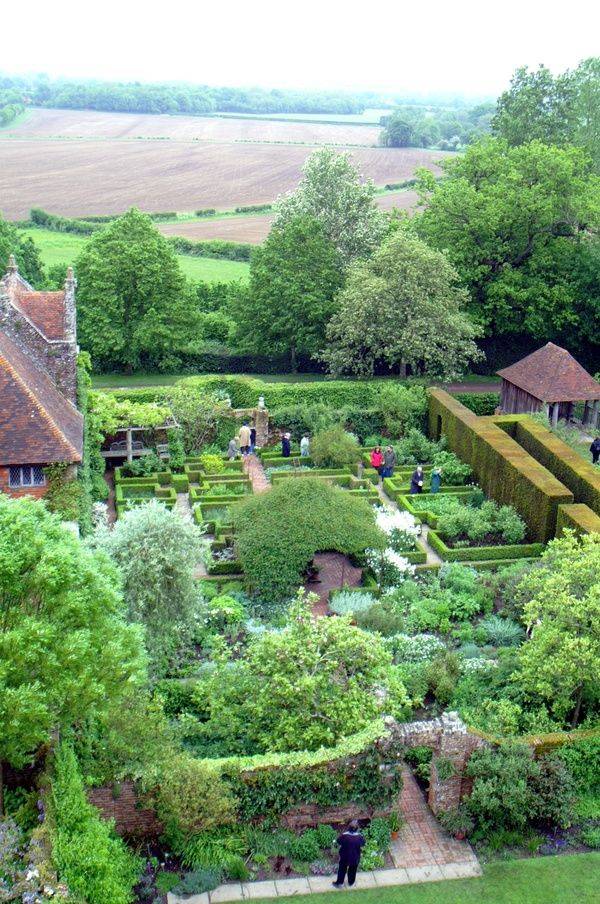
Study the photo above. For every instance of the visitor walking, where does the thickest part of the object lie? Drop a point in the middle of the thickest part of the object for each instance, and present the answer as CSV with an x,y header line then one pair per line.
x,y
436,480
244,437
416,481
286,447
252,440
389,462
232,449
376,459
350,844
595,450
305,446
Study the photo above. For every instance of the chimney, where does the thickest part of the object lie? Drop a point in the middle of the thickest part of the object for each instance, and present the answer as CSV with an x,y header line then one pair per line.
x,y
12,264
70,308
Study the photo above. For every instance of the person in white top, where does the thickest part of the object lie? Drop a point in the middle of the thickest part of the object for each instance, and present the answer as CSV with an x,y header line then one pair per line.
x,y
305,446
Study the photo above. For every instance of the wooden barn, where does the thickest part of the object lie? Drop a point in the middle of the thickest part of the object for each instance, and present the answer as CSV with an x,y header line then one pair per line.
x,y
550,380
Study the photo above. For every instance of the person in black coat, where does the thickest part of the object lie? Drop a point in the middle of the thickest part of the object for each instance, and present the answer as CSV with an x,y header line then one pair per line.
x,y
416,481
286,445
595,450
350,844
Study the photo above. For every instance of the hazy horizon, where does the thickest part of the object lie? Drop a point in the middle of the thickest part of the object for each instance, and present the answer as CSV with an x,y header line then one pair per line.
x,y
462,49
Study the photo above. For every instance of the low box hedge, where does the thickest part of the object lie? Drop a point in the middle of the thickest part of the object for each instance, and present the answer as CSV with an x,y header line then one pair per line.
x,y
483,553
227,567
504,470
404,502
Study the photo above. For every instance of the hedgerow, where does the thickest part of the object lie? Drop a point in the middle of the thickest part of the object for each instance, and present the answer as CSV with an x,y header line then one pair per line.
x,y
89,857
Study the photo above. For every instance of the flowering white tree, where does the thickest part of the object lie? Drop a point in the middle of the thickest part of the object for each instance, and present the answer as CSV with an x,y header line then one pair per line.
x,y
331,191
389,567
401,528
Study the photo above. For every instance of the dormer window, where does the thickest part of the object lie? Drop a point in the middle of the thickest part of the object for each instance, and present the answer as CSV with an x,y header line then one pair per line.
x,y
26,476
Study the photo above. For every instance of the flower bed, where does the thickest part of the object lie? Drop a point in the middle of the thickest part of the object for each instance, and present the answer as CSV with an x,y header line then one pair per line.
x,y
513,552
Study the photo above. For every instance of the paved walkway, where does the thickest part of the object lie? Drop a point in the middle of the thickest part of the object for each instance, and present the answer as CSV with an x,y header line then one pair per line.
x,y
185,510
335,571
424,852
255,471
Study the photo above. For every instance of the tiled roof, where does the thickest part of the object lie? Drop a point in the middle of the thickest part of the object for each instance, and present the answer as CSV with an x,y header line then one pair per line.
x,y
552,374
46,310
38,425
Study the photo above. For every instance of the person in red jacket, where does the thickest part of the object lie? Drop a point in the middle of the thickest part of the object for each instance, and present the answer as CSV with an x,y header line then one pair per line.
x,y
350,844
377,459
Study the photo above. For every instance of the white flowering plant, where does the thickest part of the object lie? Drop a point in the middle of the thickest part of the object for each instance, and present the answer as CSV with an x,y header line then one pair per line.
x,y
389,567
400,527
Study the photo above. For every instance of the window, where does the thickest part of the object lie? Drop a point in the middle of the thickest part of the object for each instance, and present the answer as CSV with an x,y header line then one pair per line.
x,y
26,476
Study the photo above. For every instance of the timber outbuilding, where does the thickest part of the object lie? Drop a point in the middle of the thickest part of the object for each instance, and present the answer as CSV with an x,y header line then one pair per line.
x,y
550,380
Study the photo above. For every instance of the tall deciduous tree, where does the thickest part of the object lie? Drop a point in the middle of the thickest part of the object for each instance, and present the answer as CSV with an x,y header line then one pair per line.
x,y
293,279
513,221
536,106
560,659
332,192
402,307
66,652
133,303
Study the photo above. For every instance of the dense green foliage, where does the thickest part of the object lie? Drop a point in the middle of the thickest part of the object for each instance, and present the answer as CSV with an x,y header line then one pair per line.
x,y
401,307
90,859
301,687
132,302
278,533
26,254
518,224
293,278
562,109
65,649
334,448
437,127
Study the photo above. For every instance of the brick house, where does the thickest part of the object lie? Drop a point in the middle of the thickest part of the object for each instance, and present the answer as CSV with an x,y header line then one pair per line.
x,y
39,421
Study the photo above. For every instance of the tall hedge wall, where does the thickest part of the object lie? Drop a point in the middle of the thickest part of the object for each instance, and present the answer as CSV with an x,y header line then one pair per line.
x,y
580,476
578,517
502,467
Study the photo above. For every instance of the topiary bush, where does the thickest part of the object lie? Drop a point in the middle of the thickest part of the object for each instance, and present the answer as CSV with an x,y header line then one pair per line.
x,y
317,517
335,448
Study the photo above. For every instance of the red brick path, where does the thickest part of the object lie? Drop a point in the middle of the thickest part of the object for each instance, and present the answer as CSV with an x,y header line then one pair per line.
x,y
335,572
255,471
422,840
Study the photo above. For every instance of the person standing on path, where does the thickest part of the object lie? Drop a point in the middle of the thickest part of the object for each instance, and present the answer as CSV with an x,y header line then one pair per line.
x,y
376,459
436,480
350,844
285,445
252,440
389,462
595,450
244,439
232,449
416,481
305,446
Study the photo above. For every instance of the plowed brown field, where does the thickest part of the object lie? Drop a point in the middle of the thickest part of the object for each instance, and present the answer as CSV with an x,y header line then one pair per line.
x,y
42,123
90,166
255,229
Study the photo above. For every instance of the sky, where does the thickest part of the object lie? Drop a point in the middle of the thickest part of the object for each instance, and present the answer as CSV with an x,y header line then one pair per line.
x,y
449,46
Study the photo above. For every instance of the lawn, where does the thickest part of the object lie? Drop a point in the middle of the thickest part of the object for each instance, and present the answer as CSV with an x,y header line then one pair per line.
x,y
548,880
64,247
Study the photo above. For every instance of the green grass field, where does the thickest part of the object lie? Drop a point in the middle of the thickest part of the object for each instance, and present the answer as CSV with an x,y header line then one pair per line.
x,y
548,880
64,247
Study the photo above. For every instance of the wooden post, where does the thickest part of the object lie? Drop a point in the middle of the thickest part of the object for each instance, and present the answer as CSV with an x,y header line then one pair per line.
x,y
595,413
129,445
555,411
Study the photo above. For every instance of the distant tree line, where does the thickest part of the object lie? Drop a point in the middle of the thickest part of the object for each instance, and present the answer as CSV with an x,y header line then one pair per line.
x,y
135,97
441,127
11,105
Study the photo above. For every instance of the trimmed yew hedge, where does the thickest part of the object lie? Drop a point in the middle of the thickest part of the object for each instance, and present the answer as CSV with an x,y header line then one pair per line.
x,y
577,517
504,470
567,465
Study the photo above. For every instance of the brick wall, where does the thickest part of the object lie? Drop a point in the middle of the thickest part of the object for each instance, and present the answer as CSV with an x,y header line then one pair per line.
x,y
36,492
121,803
